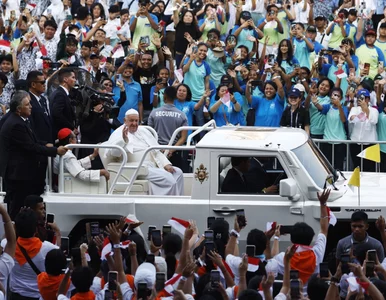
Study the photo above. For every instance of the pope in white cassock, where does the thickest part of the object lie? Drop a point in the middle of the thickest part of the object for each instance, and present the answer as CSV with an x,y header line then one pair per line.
x,y
164,179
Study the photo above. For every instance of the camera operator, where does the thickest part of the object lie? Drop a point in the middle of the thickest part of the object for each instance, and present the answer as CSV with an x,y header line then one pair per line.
x,y
96,127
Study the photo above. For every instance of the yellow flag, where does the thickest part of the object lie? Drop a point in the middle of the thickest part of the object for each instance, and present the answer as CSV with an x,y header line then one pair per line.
x,y
355,179
372,153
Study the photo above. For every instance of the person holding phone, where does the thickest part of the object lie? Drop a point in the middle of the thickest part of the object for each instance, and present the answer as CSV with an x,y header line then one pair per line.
x,y
369,53
285,56
246,32
210,21
339,29
363,118
269,108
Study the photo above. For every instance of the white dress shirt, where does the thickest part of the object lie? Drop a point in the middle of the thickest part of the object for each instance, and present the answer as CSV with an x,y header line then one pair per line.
x,y
363,130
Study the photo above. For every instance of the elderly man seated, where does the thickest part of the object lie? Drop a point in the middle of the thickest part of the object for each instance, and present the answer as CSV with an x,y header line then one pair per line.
x,y
77,168
164,179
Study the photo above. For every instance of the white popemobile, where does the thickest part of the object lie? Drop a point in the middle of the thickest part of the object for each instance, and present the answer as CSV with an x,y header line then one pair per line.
x,y
291,159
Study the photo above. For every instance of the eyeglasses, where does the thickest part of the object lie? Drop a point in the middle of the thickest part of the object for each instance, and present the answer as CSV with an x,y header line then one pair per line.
x,y
41,82
109,85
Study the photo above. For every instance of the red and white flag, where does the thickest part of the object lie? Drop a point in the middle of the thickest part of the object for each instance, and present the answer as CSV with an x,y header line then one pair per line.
x,y
5,46
253,264
30,6
172,284
179,225
331,217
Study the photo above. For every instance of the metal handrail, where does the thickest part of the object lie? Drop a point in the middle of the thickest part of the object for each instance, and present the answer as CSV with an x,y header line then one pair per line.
x,y
179,129
159,147
152,130
89,146
203,127
347,142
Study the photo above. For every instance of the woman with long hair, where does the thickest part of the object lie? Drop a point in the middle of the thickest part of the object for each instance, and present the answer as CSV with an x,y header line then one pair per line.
x,y
285,57
187,31
97,12
209,22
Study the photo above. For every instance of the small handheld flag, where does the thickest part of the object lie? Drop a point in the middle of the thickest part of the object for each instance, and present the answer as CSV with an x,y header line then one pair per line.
x,y
371,153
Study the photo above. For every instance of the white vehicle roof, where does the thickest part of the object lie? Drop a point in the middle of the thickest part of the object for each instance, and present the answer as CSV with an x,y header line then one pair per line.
x,y
267,138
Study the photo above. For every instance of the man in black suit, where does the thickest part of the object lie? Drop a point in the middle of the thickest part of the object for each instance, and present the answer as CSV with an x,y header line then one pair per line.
x,y
19,154
246,178
40,119
62,112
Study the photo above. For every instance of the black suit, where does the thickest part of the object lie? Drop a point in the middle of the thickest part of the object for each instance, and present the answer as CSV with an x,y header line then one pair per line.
x,y
41,124
19,161
41,121
234,183
62,112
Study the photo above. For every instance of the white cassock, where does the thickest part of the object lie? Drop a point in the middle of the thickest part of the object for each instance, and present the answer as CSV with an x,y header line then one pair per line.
x,y
77,168
161,181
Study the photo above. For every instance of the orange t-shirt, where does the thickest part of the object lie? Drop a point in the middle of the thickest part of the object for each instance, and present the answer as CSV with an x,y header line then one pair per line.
x,y
48,285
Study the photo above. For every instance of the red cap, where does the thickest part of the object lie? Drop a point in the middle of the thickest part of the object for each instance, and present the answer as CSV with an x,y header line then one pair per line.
x,y
370,32
63,133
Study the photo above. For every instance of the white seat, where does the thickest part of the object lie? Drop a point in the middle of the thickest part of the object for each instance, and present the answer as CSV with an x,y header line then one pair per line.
x,y
112,164
73,185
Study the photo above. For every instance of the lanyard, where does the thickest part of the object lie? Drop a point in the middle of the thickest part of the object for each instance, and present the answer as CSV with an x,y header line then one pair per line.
x,y
296,119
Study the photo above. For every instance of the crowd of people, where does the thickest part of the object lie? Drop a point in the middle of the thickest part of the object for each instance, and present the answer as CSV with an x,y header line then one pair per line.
x,y
316,65
177,262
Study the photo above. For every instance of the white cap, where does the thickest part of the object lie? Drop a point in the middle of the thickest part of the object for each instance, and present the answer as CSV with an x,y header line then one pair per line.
x,y
161,264
300,87
145,273
132,111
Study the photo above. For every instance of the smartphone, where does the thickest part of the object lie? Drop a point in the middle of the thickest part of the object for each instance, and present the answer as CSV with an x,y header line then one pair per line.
x,y
69,18
95,44
150,258
295,291
366,67
144,40
370,269
131,51
345,259
353,86
142,290
166,229
159,80
194,49
65,245
294,274
209,246
238,52
50,218
209,235
108,295
251,250
156,238
323,270
94,228
76,258
285,229
372,255
48,11
149,230
159,281
119,77
241,218
6,23
113,277
214,278
210,221
256,83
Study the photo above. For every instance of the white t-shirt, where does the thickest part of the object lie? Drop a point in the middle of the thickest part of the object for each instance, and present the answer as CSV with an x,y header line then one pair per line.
x,y
300,15
319,248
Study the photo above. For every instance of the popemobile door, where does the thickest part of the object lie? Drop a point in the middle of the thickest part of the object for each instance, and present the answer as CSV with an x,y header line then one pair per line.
x,y
261,201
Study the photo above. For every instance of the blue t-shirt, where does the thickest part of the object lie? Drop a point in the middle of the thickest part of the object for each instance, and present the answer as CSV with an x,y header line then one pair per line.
x,y
133,96
268,112
160,96
228,113
289,67
302,52
242,38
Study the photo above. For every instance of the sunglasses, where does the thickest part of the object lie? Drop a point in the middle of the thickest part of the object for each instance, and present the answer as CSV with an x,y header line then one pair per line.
x,y
41,82
106,84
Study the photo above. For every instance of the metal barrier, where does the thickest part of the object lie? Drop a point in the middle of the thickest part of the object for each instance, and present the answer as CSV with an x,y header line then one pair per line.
x,y
201,129
347,144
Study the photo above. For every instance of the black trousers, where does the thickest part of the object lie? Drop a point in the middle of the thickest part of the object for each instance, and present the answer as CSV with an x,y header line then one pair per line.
x,y
17,191
180,159
15,296
368,165
339,154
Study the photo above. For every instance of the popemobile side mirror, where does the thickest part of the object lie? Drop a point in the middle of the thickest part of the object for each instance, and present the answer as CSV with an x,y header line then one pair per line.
x,y
288,188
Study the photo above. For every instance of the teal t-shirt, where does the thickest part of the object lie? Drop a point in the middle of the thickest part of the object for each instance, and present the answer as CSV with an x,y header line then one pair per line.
x,y
334,129
302,52
195,78
318,120
381,129
216,67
